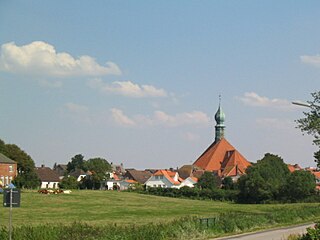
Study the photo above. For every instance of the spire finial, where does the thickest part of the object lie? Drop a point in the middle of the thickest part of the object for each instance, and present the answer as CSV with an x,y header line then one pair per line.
x,y
219,99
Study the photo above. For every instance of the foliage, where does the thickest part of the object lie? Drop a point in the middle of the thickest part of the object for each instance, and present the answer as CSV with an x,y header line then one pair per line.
x,y
99,167
312,233
194,193
77,162
208,180
264,180
310,124
227,183
27,178
69,183
300,185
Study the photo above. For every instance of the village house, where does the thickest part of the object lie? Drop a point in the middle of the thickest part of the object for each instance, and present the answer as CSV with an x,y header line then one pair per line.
x,y
165,179
137,175
61,169
8,170
48,177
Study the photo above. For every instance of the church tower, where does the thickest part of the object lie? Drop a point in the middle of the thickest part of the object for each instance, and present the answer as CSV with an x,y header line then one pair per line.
x,y
219,117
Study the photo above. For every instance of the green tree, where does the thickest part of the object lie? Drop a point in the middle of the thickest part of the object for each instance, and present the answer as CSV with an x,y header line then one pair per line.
x,y
27,178
310,124
227,183
300,185
209,180
264,180
77,162
69,183
99,167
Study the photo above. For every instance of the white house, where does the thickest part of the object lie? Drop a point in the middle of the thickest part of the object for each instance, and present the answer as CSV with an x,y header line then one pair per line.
x,y
48,177
189,182
165,179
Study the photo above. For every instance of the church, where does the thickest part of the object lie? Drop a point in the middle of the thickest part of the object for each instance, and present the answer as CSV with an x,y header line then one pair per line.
x,y
221,157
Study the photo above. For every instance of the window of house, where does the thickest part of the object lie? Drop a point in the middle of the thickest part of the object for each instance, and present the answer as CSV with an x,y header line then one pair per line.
x,y
157,177
10,168
154,185
161,177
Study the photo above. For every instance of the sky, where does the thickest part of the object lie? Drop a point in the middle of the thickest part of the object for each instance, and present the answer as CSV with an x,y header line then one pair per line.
x,y
138,82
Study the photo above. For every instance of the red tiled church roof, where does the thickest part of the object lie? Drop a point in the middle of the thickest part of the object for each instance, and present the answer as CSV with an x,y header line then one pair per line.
x,y
222,157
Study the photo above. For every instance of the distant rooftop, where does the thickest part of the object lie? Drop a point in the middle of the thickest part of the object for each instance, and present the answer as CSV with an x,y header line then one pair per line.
x,y
5,159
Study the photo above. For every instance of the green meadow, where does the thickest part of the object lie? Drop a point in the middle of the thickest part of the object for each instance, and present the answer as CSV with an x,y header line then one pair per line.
x,y
150,215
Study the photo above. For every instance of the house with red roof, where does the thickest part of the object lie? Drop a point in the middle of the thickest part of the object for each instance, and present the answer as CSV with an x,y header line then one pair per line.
x,y
169,179
221,157
165,179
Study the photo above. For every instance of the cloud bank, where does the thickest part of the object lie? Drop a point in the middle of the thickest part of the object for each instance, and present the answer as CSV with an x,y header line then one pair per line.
x,y
160,118
254,100
127,88
312,60
41,59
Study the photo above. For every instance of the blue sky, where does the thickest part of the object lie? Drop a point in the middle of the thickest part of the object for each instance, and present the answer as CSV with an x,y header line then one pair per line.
x,y
138,82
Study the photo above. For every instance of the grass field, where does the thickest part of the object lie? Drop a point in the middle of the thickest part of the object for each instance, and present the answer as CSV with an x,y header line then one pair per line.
x,y
126,208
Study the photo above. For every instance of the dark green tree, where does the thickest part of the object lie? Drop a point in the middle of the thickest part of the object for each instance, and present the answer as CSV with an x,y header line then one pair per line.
x,y
264,180
27,178
69,183
228,184
300,185
77,162
99,167
310,124
209,180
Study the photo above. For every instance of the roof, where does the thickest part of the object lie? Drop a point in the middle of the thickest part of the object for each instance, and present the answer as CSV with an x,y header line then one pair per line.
x,y
185,171
5,159
222,157
46,174
293,168
137,175
316,174
168,175
77,172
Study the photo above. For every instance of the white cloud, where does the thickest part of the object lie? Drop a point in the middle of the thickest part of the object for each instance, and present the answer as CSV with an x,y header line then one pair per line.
x,y
41,59
312,60
127,88
120,118
253,99
76,108
160,118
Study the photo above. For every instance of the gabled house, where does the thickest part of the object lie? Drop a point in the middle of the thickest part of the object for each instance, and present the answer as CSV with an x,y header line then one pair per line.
x,y
61,169
165,179
189,182
8,170
48,177
137,175
79,174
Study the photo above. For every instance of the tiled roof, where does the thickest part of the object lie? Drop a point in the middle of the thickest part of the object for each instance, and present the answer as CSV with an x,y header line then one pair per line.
x,y
137,175
46,174
293,168
5,159
223,158
316,174
167,174
77,172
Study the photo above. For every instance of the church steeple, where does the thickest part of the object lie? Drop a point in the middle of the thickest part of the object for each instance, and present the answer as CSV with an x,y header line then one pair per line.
x,y
219,117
